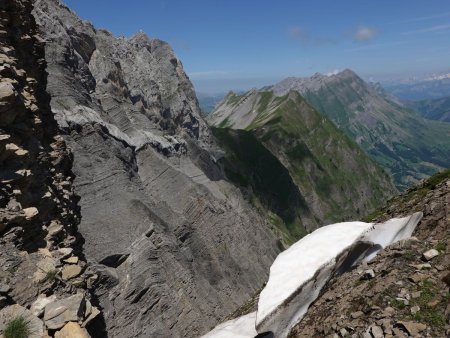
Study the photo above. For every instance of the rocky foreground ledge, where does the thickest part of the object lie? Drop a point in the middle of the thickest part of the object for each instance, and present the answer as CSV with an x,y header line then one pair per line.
x,y
44,282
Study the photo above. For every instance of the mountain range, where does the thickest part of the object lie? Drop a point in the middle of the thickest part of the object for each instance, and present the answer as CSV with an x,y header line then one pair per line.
x,y
433,109
405,144
425,89
124,213
302,168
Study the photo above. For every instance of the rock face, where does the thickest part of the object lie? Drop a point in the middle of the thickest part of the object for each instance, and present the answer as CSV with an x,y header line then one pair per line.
x,y
295,162
38,207
169,239
35,165
408,146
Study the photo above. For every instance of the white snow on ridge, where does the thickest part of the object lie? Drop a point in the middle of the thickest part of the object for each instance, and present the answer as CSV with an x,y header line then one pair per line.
x,y
299,273
242,327
301,261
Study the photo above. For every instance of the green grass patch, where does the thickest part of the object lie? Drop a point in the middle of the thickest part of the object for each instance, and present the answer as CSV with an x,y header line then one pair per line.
x,y
441,247
428,314
398,304
410,255
51,275
264,100
225,122
18,327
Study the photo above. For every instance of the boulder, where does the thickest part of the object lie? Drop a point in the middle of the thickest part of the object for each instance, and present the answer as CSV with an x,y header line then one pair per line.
x,y
71,260
4,288
7,93
54,229
377,332
94,313
58,313
430,254
30,212
368,274
413,328
72,330
37,308
71,271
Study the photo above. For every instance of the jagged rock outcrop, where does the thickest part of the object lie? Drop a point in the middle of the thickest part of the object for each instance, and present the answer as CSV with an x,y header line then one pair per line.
x,y
176,248
38,207
406,145
405,290
303,170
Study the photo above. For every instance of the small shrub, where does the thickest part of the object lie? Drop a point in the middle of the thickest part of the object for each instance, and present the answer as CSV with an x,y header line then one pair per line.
x,y
398,304
18,327
51,275
410,255
430,316
441,247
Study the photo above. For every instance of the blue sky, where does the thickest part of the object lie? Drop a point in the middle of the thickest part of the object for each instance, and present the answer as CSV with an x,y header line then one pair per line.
x,y
238,44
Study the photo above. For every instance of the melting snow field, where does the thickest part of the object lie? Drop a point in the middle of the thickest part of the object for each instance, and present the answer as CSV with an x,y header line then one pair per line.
x,y
242,327
299,273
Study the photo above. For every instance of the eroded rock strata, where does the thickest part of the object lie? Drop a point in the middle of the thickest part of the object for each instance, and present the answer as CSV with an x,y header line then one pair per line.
x,y
41,262
175,246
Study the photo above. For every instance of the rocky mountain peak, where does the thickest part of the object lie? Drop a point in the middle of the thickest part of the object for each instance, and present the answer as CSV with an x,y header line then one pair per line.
x,y
161,224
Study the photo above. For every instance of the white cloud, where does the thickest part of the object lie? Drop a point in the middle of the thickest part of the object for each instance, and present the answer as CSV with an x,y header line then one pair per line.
x,y
333,72
424,18
428,30
364,33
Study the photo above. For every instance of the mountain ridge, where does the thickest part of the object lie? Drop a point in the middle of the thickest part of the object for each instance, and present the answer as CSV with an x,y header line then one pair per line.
x,y
326,167
161,224
402,142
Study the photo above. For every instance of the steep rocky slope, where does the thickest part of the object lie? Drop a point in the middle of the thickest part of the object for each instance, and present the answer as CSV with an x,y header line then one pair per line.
x,y
41,263
408,146
294,162
404,291
436,109
176,248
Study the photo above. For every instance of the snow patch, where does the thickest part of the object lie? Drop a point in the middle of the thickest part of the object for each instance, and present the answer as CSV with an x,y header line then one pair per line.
x,y
298,274
242,327
333,72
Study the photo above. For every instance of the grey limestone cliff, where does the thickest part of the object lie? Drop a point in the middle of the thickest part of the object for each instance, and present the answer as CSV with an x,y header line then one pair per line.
x,y
175,246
